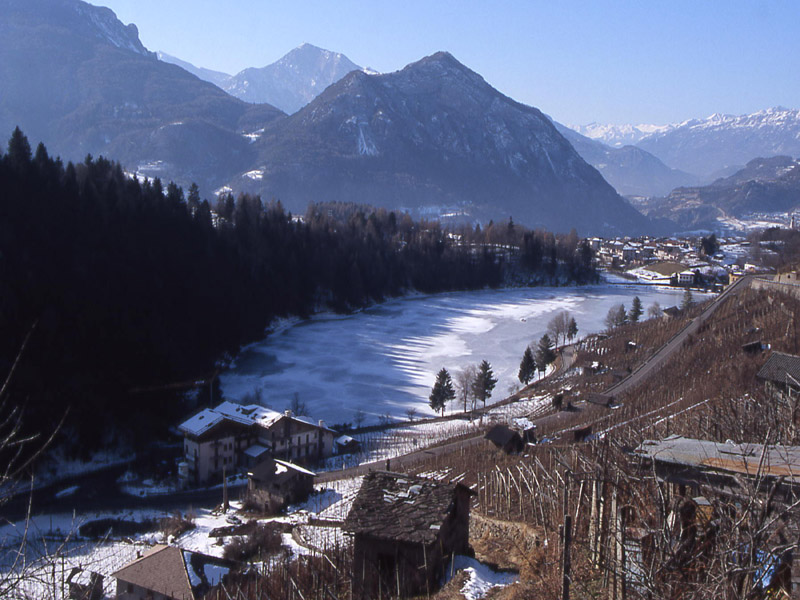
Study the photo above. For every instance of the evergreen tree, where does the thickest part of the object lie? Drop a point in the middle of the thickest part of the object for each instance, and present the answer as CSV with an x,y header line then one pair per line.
x,y
636,310
442,391
688,299
544,352
572,329
484,382
19,150
527,368
709,245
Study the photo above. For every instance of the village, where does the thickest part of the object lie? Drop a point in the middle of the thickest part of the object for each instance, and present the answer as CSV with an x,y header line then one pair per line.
x,y
547,493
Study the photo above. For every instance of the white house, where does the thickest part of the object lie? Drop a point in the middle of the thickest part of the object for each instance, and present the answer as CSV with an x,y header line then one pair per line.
x,y
231,435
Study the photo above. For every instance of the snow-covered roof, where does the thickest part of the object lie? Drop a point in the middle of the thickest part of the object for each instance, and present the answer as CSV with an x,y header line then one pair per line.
x,y
201,422
252,414
343,440
309,421
295,467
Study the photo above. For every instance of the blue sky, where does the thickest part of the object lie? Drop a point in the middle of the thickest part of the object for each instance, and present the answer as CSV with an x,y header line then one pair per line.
x,y
609,62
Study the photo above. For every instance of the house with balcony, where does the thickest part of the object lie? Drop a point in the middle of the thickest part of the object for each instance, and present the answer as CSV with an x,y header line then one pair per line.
x,y
233,436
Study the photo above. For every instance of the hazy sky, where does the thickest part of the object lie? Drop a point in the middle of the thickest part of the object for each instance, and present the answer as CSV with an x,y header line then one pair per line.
x,y
606,61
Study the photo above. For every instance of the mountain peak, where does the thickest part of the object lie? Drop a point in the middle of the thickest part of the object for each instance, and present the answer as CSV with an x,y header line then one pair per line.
x,y
292,81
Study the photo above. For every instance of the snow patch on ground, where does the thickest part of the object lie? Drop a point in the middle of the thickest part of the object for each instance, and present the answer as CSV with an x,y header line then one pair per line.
x,y
480,577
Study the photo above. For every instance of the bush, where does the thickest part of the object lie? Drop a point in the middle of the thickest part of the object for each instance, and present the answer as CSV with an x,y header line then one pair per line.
x,y
176,525
263,541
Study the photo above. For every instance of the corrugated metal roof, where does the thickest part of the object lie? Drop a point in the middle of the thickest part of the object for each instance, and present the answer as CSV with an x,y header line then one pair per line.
x,y
778,461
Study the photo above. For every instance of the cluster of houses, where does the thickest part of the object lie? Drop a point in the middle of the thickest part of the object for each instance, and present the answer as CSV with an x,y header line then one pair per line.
x,y
678,261
404,530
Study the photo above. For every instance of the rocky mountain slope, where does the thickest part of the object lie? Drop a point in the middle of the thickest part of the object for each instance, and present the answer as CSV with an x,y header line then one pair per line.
x,y
764,186
218,78
76,78
434,138
293,81
631,170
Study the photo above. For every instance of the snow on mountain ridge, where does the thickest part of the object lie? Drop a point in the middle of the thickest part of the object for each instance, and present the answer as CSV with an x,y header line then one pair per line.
x,y
620,135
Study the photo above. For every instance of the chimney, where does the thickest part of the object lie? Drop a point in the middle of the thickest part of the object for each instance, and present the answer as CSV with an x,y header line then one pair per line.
x,y
321,424
287,413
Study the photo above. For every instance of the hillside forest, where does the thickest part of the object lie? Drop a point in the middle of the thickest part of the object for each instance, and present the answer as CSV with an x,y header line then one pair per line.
x,y
131,291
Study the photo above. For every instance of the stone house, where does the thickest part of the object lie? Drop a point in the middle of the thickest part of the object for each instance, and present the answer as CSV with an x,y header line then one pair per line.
x,y
505,439
274,483
231,436
404,530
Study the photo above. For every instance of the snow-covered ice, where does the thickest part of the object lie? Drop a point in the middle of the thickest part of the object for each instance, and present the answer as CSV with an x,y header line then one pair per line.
x,y
383,360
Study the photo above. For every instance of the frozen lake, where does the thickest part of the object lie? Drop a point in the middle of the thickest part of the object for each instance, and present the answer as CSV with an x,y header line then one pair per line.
x,y
384,360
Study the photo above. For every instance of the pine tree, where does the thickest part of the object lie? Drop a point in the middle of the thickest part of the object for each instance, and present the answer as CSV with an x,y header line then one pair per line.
x,y
442,391
636,310
527,368
572,329
19,150
688,300
484,382
544,352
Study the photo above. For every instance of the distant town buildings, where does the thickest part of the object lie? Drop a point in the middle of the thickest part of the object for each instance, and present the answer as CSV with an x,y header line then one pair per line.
x,y
681,261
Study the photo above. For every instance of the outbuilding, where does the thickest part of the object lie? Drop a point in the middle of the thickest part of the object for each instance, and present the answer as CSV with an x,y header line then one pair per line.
x,y
404,530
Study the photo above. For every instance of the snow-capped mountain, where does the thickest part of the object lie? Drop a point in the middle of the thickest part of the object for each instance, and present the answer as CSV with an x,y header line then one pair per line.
x,y
618,135
73,76
631,170
293,81
218,78
433,138
707,146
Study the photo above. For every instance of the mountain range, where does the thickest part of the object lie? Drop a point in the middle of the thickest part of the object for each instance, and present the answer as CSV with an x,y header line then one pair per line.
x,y
712,147
433,138
77,79
288,84
631,170
763,186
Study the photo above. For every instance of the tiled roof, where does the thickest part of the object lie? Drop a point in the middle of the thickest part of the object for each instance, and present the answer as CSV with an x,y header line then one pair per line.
x,y
778,366
175,573
401,507
161,570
